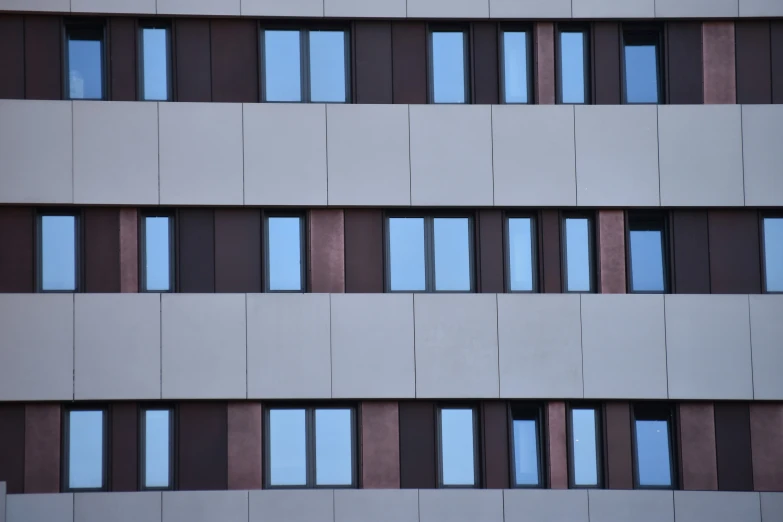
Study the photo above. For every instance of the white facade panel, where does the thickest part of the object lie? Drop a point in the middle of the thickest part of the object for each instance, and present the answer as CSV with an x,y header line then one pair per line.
x,y
762,127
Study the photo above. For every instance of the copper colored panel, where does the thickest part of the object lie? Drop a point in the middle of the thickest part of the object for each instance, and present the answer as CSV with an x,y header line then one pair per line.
x,y
557,439
124,447
129,250
697,446
12,57
12,428
42,448
327,251
766,433
545,63
619,452
244,445
720,80
495,435
611,251
380,445
364,251
17,236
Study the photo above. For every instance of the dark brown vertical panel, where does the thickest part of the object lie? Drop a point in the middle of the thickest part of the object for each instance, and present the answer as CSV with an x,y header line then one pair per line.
x,y
237,250
326,267
129,250
690,239
720,64
766,432
196,253
417,445
43,58
124,446
684,63
696,430
101,250
364,251
606,63
557,445
380,445
245,448
12,57
732,441
550,252
490,242
545,63
619,452
122,50
193,60
373,62
42,443
409,62
234,61
754,62
486,81
12,446
776,44
202,444
735,258
17,261
495,444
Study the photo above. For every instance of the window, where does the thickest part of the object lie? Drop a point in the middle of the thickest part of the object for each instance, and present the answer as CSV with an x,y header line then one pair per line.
x,y
584,447
302,65
429,254
516,59
85,78
458,445
310,447
642,66
578,255
58,253
652,443
85,458
773,254
157,273
647,253
284,253
449,66
522,259
154,62
573,73
526,447
156,454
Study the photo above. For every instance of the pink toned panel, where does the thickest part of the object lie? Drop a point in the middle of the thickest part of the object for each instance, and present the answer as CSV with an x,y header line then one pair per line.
x,y
327,247
244,445
545,63
558,445
611,251
720,71
380,440
129,250
766,434
697,439
42,448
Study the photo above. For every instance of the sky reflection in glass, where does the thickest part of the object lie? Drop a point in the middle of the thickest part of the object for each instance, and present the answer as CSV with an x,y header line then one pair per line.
x,y
85,449
647,261
526,452
448,67
155,59
457,447
578,264
58,253
773,253
641,74
520,243
156,448
282,66
157,250
285,253
287,448
452,254
86,69
406,254
327,66
333,453
572,67
584,446
515,66
653,453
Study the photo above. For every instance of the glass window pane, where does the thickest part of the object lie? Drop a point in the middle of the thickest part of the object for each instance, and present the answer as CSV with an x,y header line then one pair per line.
x,y
448,67
452,254
85,449
584,446
327,66
773,253
282,66
58,253
647,261
85,64
157,250
155,59
333,453
285,253
520,245
406,254
652,453
572,67
156,448
515,67
641,74
457,447
578,263
526,452
287,448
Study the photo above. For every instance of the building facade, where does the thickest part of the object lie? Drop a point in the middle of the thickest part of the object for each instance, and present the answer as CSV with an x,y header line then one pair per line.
x,y
391,261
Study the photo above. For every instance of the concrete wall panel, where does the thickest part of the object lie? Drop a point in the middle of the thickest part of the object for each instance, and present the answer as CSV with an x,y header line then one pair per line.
x,y
544,505
639,506
117,507
771,507
529,9
365,9
613,8
114,6
292,506
697,8
199,7
467,505
205,506
310,8
724,506
386,505
448,8
766,331
760,8
49,507
762,125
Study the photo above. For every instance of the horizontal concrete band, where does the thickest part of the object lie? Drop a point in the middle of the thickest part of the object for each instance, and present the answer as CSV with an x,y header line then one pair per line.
x,y
399,506
559,9
146,153
368,346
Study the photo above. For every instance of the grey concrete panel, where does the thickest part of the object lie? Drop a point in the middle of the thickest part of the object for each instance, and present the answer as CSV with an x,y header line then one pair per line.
x,y
460,505
118,507
199,7
47,507
365,9
309,8
771,507
315,505
766,332
716,506
529,9
762,127
626,506
696,8
448,8
545,505
114,6
613,8
205,506
60,6
378,505
760,8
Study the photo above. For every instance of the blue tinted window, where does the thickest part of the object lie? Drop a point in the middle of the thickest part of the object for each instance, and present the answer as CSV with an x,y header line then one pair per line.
x,y
85,449
526,448
287,448
641,70
584,446
282,66
457,447
85,64
448,67
157,441
653,453
573,84
515,67
578,255
406,254
157,254
155,63
333,447
58,253
647,258
773,253
284,250
327,66
452,254
520,251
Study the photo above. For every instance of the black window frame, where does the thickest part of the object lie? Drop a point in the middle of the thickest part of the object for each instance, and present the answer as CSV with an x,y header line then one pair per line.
x,y
653,411
78,250
599,443
535,237
310,455
143,250
763,241
155,24
429,250
92,29
305,86
592,249
477,466
265,250
65,470
534,412
529,60
466,56
143,445
649,221
635,35
586,41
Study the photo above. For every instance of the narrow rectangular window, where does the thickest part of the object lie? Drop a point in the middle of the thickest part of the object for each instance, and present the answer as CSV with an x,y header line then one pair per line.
x,y
86,74
157,254
521,252
578,253
156,448
58,253
407,246
573,73
449,66
584,447
451,247
333,447
284,254
328,66
282,66
652,444
647,253
86,449
287,454
773,254
526,447
458,447
642,66
515,51
155,63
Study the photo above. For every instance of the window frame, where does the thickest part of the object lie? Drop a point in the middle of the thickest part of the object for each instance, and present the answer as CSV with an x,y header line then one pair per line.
x,y
303,243
529,60
143,445
587,40
310,455
650,219
143,250
85,25
65,470
763,216
466,55
154,24
654,411
477,466
648,35
535,237
540,441
429,250
78,250
599,445
591,245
